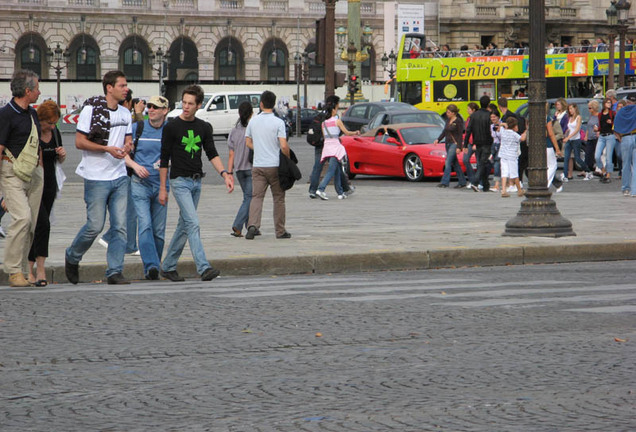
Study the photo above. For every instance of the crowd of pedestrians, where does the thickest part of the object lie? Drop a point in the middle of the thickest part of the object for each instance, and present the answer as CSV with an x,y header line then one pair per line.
x,y
496,135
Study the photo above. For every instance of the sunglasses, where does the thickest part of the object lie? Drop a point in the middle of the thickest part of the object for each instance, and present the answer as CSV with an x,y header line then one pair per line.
x,y
151,106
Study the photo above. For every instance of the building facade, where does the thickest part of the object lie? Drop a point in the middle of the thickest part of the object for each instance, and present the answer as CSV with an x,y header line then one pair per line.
x,y
249,41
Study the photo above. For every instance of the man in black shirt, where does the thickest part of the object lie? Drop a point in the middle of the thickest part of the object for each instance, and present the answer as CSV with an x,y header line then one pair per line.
x,y
19,125
182,143
479,128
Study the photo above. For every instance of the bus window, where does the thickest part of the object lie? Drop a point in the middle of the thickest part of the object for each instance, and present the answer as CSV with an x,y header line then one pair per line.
x,y
479,88
511,88
411,92
450,91
555,87
580,87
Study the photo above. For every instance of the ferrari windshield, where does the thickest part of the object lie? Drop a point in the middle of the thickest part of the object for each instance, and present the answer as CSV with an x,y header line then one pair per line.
x,y
421,135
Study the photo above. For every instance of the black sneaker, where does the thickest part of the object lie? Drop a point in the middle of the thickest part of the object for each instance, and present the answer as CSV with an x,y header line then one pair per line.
x,y
442,185
118,279
251,232
172,275
284,235
153,274
209,274
72,272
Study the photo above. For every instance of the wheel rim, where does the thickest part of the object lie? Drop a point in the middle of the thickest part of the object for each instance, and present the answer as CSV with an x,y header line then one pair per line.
x,y
413,167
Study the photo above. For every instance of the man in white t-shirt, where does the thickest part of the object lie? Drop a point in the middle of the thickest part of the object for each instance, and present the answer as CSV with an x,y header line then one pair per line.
x,y
266,135
104,134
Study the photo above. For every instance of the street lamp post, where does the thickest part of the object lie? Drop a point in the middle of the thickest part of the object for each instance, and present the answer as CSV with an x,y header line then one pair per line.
x,y
305,76
538,215
622,7
388,63
61,58
350,53
160,59
298,65
612,20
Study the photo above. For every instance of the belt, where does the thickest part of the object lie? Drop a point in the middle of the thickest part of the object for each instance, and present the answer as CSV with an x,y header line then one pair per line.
x,y
195,176
6,158
607,134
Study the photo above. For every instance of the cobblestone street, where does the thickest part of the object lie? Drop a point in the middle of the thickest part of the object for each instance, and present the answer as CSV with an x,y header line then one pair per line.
x,y
517,349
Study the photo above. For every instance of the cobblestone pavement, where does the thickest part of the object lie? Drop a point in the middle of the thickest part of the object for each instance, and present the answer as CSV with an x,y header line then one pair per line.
x,y
529,348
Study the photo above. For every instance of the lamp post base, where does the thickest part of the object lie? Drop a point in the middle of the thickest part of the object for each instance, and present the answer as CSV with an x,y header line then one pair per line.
x,y
540,217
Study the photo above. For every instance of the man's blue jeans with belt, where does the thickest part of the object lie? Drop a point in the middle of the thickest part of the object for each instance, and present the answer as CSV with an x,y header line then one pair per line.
x,y
186,191
99,196
151,219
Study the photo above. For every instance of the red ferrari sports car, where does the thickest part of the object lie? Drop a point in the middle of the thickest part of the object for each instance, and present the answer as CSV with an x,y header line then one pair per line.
x,y
401,150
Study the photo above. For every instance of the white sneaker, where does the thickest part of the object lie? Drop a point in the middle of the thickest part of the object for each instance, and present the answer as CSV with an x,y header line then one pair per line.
x,y
322,195
343,196
559,189
103,242
588,176
2,233
136,253
564,179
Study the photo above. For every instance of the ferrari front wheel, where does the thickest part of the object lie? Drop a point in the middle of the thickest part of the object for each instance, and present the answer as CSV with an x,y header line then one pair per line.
x,y
413,169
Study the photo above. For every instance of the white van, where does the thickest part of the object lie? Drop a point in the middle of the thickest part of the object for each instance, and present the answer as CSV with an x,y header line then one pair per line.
x,y
221,109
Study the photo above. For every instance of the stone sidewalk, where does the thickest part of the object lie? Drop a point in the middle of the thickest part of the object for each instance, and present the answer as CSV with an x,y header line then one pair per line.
x,y
385,225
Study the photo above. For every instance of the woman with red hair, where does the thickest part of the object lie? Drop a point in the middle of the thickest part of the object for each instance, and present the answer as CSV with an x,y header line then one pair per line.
x,y
51,152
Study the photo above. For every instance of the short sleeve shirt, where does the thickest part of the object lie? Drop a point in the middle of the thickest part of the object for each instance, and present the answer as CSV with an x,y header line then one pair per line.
x,y
265,129
98,165
15,126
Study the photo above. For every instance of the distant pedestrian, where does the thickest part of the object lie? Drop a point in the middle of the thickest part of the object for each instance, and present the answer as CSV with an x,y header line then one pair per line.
x,y
182,144
452,134
606,141
625,127
479,129
509,151
239,164
591,138
496,127
265,134
572,142
22,189
104,145
333,150
144,186
553,149
52,153
469,150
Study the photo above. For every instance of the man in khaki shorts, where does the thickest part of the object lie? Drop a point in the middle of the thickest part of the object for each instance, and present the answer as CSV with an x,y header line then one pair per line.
x,y
19,124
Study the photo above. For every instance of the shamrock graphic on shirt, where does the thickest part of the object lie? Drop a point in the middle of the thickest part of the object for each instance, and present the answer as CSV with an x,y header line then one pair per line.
x,y
191,142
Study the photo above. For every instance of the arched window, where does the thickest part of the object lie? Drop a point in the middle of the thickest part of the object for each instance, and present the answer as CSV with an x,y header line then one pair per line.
x,y
276,65
133,64
86,64
31,59
229,55
184,61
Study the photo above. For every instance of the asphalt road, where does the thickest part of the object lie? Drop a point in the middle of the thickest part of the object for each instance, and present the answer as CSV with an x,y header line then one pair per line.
x,y
532,348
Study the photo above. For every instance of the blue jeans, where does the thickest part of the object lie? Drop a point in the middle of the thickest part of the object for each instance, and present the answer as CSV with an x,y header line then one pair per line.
x,y
187,192
99,196
608,141
244,178
628,145
567,149
452,164
151,218
131,225
314,179
470,172
335,171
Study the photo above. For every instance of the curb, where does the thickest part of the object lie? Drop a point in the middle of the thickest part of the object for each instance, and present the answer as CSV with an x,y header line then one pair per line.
x,y
377,261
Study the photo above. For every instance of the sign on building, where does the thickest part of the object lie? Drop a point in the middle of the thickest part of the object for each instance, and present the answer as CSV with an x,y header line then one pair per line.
x,y
410,19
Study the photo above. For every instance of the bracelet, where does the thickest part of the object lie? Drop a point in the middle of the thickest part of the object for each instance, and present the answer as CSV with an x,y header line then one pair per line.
x,y
226,172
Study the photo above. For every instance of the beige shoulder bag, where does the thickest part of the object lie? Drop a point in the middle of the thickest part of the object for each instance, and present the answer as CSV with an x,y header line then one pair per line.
x,y
27,160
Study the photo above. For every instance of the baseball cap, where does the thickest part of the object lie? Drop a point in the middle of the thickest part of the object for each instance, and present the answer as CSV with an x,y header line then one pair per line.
x,y
158,101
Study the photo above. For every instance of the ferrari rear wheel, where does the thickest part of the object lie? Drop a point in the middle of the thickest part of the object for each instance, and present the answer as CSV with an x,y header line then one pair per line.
x,y
413,169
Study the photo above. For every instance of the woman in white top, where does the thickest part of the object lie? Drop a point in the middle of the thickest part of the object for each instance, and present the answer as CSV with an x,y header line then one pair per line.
x,y
572,141
333,149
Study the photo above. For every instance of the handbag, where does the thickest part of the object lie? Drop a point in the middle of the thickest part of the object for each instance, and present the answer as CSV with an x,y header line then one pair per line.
x,y
27,160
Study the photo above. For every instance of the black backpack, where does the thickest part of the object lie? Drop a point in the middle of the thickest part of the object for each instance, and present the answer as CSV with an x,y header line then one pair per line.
x,y
314,134
138,132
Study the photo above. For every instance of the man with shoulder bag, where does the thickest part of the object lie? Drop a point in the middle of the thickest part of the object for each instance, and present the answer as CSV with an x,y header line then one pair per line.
x,y
21,172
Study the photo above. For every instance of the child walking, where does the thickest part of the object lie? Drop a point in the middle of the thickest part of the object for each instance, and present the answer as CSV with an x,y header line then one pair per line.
x,y
509,154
